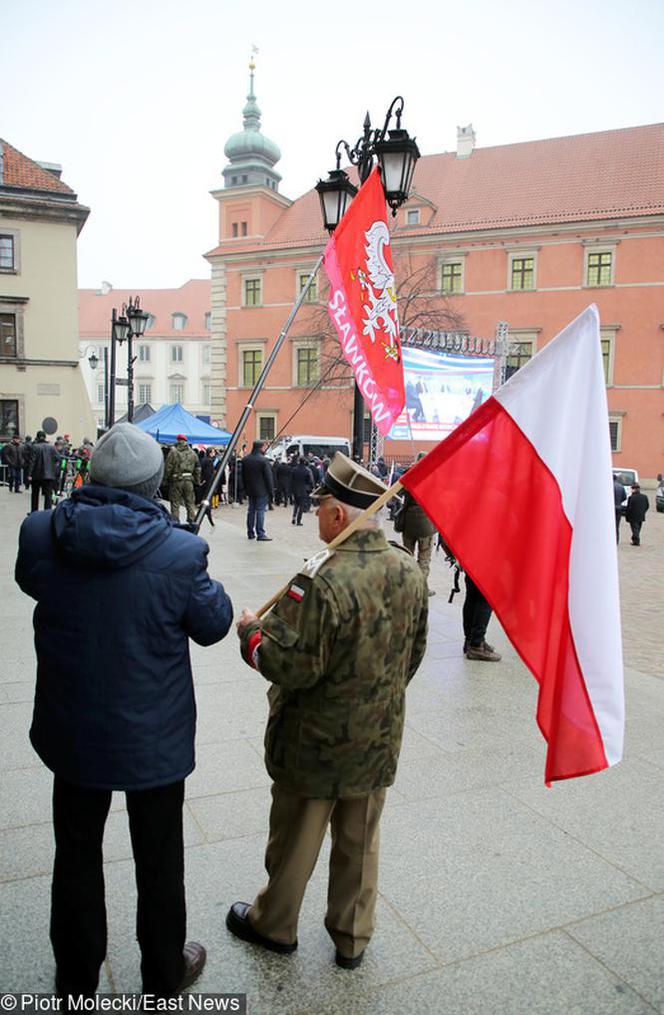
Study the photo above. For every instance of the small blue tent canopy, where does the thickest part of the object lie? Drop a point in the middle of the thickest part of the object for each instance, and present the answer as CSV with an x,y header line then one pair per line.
x,y
170,420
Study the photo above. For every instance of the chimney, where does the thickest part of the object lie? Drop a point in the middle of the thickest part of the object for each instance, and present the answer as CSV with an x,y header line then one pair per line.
x,y
105,289
465,141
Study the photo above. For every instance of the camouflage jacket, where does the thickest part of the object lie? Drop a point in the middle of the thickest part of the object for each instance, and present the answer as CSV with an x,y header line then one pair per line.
x,y
182,463
339,647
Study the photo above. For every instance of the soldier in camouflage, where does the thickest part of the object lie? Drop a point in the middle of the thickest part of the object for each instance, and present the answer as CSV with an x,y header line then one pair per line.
x,y
339,649
181,472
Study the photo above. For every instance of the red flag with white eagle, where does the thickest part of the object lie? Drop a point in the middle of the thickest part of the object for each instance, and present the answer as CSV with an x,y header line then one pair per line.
x,y
522,493
363,303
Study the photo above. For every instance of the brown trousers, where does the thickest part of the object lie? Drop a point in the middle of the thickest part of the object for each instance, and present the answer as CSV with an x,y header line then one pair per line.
x,y
424,547
297,830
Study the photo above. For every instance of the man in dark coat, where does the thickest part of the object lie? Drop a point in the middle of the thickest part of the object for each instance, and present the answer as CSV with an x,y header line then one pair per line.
x,y
120,589
43,470
284,483
339,648
303,484
12,457
635,512
258,485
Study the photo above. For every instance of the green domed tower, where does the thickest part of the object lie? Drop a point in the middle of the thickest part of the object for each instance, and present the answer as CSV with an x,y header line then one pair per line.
x,y
251,156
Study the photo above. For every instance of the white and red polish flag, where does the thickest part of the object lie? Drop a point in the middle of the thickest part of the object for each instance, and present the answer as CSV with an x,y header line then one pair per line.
x,y
363,302
522,493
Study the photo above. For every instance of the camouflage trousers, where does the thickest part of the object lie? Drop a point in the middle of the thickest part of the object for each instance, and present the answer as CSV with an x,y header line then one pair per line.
x,y
182,492
297,830
424,548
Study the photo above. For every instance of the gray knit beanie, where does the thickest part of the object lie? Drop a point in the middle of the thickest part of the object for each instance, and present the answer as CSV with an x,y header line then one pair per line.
x,y
129,459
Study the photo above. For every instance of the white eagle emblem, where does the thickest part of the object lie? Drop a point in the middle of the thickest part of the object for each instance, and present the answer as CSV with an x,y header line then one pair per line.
x,y
377,282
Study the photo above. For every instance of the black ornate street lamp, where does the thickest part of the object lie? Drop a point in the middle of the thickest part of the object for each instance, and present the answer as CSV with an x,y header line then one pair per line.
x,y
131,324
397,154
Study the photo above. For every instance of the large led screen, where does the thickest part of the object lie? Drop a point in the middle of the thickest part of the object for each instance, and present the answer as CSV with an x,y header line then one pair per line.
x,y
441,391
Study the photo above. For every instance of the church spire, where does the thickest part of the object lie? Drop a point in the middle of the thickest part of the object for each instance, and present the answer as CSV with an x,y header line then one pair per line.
x,y
251,155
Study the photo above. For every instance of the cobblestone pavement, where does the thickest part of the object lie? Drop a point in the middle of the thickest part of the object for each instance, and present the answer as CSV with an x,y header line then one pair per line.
x,y
496,895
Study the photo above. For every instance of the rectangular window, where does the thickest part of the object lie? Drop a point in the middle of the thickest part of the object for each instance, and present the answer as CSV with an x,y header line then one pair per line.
x,y
234,230
8,417
312,292
252,363
266,428
176,354
252,292
207,394
177,393
366,429
600,266
7,252
518,355
308,370
206,355
413,217
606,358
100,394
243,228
452,278
8,335
522,275
615,427
144,393
144,353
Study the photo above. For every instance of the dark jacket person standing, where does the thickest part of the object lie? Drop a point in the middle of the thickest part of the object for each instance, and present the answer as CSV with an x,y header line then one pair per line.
x,y
120,589
339,648
259,485
635,512
43,467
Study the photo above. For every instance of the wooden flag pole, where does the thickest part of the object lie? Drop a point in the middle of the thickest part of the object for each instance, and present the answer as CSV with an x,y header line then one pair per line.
x,y
348,531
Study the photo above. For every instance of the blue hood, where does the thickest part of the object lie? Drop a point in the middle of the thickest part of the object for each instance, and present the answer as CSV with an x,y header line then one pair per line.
x,y
99,526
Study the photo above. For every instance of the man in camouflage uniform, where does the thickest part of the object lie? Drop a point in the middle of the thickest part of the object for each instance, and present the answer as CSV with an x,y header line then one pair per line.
x,y
339,648
181,472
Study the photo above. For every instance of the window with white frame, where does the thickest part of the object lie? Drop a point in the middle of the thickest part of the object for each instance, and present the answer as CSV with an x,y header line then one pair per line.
x,y
150,322
207,321
266,425
312,291
608,342
413,217
177,393
8,251
252,292
144,393
306,364
615,432
176,354
600,265
522,267
100,394
179,321
207,394
206,355
8,335
520,349
144,354
451,276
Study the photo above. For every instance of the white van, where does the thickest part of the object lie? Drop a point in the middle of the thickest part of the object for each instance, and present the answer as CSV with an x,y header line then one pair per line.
x,y
304,444
628,477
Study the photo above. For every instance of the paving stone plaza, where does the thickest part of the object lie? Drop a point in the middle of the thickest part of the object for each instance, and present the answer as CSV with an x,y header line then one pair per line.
x,y
496,894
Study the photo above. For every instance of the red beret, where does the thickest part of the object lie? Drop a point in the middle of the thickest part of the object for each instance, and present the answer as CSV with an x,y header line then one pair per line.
x,y
181,437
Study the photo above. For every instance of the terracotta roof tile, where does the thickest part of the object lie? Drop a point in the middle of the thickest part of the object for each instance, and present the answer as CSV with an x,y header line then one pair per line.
x,y
614,173
192,299
18,171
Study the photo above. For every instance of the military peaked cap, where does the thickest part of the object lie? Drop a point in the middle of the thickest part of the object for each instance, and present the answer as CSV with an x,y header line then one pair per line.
x,y
350,483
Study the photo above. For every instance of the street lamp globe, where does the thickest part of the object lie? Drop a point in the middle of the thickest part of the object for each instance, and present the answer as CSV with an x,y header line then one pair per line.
x,y
138,319
397,155
336,194
93,360
120,329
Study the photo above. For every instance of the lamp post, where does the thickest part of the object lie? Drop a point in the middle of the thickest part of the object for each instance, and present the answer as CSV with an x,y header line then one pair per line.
x,y
396,153
131,324
93,360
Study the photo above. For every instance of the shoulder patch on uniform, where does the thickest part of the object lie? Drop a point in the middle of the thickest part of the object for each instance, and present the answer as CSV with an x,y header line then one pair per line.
x,y
296,592
313,565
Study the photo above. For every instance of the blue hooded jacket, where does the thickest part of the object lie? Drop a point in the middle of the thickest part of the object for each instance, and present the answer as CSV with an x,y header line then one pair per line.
x,y
119,589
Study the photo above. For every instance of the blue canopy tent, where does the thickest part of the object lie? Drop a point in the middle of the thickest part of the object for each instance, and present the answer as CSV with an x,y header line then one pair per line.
x,y
166,423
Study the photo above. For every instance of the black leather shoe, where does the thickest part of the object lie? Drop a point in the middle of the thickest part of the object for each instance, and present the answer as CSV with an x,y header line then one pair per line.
x,y
264,539
237,921
346,963
194,961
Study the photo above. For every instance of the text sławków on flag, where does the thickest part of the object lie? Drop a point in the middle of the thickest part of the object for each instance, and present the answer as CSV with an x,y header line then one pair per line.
x,y
521,492
363,305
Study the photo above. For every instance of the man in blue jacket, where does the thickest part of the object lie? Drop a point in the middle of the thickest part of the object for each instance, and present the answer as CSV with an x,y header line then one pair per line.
x,y
120,589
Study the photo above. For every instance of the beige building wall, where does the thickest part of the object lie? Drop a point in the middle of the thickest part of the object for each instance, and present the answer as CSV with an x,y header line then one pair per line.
x,y
47,379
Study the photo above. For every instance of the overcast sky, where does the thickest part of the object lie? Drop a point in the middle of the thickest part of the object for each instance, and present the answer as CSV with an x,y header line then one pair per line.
x,y
136,98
